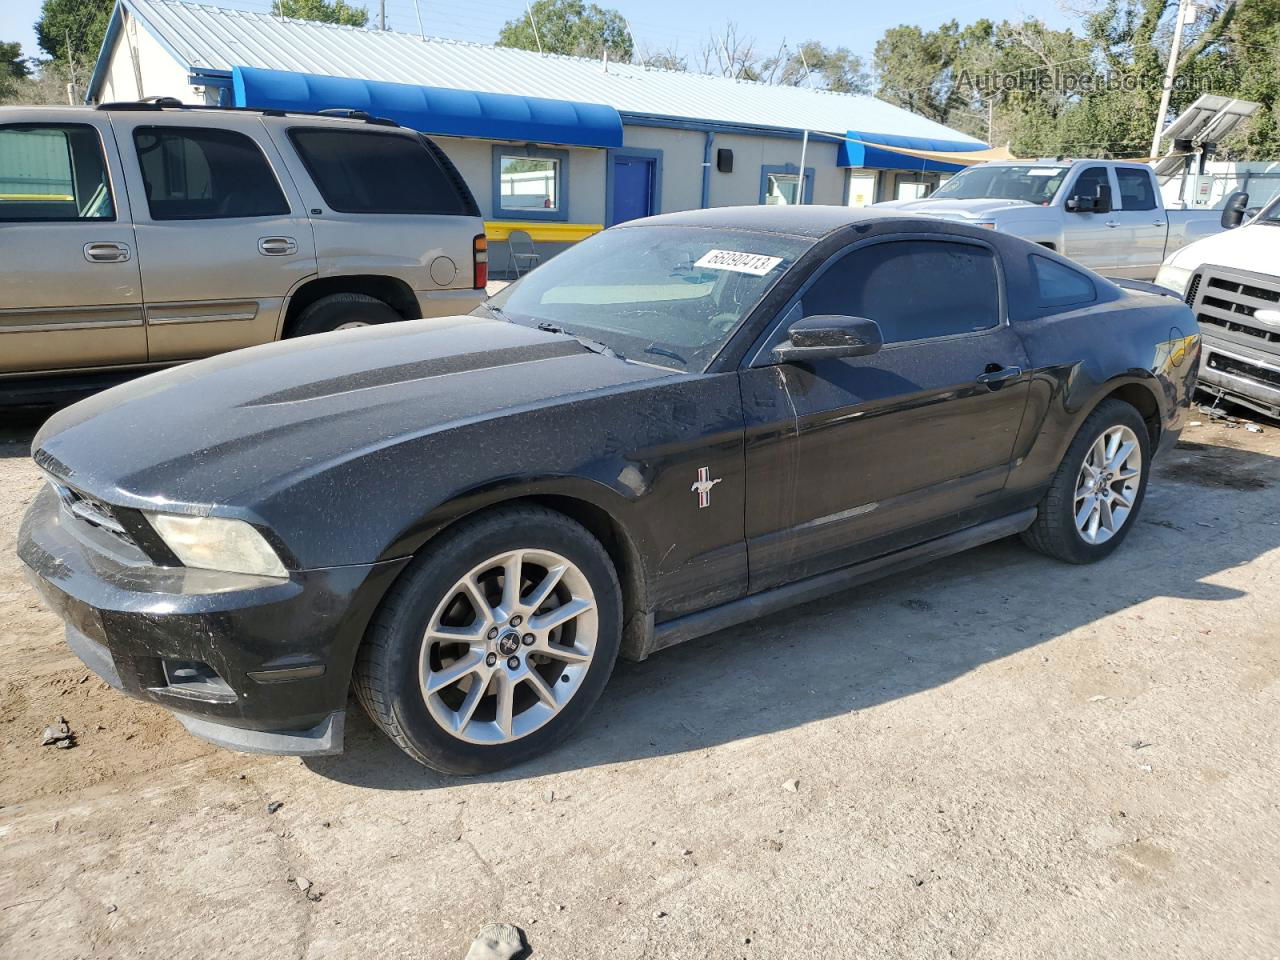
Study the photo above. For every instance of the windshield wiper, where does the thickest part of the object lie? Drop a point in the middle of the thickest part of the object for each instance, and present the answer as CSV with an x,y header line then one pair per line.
x,y
664,352
595,346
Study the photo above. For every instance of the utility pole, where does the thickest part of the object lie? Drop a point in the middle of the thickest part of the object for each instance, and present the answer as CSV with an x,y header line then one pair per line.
x,y
1169,74
804,148
382,14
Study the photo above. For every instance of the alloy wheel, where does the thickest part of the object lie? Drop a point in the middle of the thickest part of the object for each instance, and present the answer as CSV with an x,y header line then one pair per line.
x,y
1108,484
508,646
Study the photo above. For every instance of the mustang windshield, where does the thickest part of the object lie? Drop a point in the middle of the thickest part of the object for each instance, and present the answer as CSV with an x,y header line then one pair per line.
x,y
665,295
1022,182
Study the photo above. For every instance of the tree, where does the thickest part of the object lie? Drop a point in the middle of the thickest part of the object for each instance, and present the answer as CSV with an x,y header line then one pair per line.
x,y
569,27
812,64
13,68
325,11
71,31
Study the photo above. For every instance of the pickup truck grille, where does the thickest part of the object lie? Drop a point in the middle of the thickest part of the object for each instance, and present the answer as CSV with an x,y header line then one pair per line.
x,y
1229,300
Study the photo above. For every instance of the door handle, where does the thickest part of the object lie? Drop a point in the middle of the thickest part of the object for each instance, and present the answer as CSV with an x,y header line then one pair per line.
x,y
1113,223
277,246
106,252
1157,223
996,377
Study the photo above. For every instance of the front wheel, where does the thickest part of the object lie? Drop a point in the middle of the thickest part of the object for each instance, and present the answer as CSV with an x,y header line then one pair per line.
x,y
1094,498
494,643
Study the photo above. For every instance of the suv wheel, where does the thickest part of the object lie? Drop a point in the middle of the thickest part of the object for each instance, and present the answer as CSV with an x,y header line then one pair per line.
x,y
342,311
1094,498
494,643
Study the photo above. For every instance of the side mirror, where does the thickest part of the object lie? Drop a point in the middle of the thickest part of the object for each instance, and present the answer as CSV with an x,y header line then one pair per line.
x,y
1235,211
1102,199
823,337
1080,205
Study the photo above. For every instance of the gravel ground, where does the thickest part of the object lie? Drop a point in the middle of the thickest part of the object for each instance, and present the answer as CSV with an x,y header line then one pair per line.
x,y
995,756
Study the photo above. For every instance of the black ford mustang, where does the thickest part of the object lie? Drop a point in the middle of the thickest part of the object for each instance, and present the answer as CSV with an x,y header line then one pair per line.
x,y
673,427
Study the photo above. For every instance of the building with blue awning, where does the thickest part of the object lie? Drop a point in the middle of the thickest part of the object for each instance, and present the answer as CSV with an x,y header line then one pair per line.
x,y
558,147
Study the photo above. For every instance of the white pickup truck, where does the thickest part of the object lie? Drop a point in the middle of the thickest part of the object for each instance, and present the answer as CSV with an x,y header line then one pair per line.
x,y
1104,214
1232,283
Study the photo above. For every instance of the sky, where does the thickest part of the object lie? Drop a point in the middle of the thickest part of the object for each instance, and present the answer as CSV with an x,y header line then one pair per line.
x,y
660,24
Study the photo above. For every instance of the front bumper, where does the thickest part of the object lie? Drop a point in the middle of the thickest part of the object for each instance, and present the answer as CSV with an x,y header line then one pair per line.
x,y
251,663
1248,377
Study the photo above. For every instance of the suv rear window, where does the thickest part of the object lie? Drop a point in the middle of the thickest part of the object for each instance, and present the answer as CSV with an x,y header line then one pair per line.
x,y
203,173
360,171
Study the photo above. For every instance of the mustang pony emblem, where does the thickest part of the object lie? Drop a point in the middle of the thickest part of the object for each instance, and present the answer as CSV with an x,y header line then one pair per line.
x,y
703,487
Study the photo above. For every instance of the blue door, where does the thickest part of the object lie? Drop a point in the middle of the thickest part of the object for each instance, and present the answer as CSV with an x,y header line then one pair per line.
x,y
632,188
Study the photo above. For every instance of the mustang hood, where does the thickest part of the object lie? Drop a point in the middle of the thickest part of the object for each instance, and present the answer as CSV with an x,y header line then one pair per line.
x,y
955,209
234,428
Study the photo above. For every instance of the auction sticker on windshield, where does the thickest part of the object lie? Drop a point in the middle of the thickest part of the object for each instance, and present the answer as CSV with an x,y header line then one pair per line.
x,y
755,264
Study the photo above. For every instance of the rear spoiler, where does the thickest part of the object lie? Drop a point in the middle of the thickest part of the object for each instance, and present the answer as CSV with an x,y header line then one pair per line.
x,y
1141,286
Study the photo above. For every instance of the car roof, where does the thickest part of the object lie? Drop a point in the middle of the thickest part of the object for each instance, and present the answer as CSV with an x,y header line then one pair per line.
x,y
808,220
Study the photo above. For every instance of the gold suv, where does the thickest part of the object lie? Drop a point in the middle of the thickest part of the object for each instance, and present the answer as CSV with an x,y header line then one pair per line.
x,y
137,235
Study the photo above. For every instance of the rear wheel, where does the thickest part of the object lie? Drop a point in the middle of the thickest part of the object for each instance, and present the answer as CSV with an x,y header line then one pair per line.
x,y
1094,498
342,311
495,642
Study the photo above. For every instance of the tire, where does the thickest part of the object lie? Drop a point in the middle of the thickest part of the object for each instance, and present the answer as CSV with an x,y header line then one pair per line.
x,y
341,309
403,651
1056,531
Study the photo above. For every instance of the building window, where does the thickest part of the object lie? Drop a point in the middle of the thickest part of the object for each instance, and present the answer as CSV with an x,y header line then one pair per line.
x,y
779,185
530,183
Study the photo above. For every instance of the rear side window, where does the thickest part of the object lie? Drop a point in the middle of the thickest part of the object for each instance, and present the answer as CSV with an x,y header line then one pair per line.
x,y
914,289
53,172
1136,189
201,173
364,172
1059,285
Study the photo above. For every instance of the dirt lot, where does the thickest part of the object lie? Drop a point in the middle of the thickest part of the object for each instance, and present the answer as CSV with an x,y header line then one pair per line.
x,y
997,756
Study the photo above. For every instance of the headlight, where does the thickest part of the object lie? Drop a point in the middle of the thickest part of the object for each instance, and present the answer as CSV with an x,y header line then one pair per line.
x,y
1173,278
218,543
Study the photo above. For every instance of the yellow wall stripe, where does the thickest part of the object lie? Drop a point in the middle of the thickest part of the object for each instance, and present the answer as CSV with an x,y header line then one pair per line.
x,y
498,231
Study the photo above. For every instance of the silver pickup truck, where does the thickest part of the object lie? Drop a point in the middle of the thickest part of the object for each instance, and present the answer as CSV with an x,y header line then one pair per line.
x,y
1104,214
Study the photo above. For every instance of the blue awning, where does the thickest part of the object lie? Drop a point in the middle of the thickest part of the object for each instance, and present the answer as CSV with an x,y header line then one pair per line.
x,y
454,113
863,154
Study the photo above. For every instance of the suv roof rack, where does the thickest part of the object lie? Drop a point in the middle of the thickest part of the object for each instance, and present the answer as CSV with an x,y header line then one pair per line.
x,y
173,103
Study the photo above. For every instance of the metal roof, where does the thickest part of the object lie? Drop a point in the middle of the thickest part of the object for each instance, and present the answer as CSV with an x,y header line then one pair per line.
x,y
215,38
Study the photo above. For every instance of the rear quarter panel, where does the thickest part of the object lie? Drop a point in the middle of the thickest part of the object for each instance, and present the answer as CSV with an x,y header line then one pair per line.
x,y
1081,356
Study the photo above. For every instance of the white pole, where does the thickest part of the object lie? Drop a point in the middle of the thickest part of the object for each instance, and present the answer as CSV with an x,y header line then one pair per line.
x,y
1168,78
533,23
804,148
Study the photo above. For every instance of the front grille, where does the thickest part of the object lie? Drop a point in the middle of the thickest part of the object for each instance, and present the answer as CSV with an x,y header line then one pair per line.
x,y
1230,301
93,512
1242,368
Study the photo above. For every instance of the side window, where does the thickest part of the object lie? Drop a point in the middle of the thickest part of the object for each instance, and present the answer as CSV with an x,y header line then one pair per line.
x,y
201,173
1089,181
1059,285
53,172
1136,189
360,171
914,289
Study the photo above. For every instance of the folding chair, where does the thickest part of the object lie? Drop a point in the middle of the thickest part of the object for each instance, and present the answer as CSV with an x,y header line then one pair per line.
x,y
524,256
